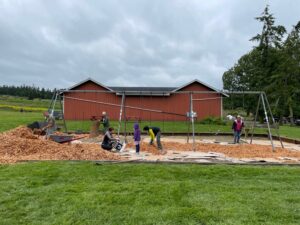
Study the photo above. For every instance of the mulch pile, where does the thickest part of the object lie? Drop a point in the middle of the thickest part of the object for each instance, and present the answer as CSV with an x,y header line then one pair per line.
x,y
22,144
234,151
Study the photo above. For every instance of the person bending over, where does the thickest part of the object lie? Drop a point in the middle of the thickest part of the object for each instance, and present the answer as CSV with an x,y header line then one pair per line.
x,y
154,132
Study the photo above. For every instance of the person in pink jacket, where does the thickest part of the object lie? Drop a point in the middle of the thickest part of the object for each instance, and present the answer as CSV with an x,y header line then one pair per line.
x,y
237,127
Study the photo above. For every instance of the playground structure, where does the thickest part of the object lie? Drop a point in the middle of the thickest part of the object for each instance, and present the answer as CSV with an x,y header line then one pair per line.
x,y
130,112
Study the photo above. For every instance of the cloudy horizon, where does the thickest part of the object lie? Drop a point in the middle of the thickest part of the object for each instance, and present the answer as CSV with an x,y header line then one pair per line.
x,y
56,44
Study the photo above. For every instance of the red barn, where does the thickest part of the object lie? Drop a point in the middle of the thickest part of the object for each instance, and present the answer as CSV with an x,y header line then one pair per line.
x,y
90,98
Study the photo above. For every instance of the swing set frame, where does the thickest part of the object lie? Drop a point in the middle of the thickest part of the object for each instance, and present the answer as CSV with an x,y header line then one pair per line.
x,y
262,100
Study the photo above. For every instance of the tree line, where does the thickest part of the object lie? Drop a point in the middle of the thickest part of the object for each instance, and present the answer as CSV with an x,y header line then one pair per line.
x,y
272,66
30,92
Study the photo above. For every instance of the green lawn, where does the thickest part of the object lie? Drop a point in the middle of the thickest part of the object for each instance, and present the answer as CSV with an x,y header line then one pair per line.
x,y
291,132
11,119
84,193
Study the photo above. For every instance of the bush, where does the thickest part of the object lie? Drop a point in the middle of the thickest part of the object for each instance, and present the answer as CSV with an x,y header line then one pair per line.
x,y
237,111
213,120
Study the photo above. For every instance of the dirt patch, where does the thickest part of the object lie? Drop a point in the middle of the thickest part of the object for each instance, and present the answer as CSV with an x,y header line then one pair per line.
x,y
22,144
145,147
234,151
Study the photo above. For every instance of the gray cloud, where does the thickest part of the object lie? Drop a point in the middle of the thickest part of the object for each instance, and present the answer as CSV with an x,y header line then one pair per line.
x,y
129,42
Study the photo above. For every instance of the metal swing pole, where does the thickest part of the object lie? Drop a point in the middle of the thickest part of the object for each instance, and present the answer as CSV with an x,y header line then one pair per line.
x,y
273,120
53,106
63,114
164,114
188,134
150,105
192,118
120,117
267,119
255,118
189,125
52,101
124,109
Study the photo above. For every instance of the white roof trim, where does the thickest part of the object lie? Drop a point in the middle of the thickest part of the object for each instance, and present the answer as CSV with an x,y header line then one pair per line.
x,y
90,79
200,82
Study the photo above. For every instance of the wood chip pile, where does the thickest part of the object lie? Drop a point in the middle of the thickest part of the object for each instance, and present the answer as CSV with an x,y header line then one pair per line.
x,y
234,151
22,144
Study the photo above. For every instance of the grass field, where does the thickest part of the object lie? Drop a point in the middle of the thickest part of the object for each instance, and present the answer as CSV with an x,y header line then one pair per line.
x,y
84,193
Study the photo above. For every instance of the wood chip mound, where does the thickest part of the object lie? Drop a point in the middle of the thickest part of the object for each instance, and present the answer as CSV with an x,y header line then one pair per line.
x,y
22,144
21,132
234,151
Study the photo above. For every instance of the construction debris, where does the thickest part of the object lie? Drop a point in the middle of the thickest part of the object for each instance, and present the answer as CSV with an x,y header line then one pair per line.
x,y
21,144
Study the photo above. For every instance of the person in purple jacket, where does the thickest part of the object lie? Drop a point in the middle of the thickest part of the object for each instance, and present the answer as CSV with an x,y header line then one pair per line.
x,y
137,138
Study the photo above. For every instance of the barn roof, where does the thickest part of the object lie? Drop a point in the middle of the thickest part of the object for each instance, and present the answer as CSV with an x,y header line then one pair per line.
x,y
202,83
155,91
144,90
89,80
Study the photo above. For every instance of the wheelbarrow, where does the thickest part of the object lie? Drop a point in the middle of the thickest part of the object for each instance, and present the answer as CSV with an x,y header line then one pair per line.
x,y
63,138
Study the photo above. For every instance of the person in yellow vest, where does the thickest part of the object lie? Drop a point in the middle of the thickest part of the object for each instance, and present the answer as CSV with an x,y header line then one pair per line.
x,y
154,132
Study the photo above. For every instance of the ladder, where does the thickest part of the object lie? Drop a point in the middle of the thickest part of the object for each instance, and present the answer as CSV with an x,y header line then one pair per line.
x,y
57,111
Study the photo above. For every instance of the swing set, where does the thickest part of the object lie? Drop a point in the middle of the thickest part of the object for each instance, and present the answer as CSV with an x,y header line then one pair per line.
x,y
190,116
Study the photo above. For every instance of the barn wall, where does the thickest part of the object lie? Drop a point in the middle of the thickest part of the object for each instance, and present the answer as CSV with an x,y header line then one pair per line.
x,y
81,110
176,103
211,103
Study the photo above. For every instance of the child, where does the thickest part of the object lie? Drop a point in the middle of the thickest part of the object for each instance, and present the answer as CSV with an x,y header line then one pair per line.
x,y
137,138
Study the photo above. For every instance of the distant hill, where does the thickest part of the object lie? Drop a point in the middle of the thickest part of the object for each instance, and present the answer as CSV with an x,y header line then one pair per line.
x,y
31,92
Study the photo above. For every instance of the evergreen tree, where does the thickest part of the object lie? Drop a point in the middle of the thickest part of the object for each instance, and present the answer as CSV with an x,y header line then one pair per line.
x,y
272,66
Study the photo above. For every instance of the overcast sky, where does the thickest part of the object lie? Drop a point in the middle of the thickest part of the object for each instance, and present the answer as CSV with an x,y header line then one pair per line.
x,y
57,43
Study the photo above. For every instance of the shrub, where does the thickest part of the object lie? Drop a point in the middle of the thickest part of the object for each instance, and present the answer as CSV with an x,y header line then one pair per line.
x,y
213,120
